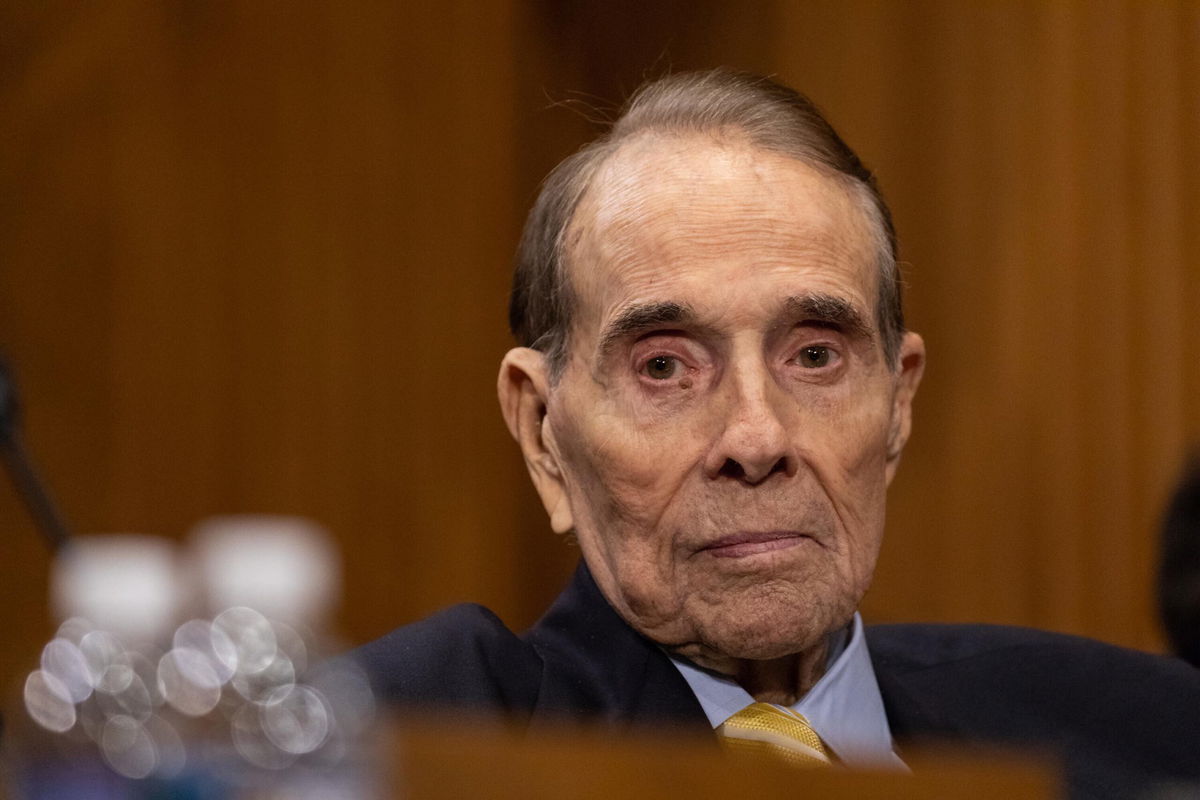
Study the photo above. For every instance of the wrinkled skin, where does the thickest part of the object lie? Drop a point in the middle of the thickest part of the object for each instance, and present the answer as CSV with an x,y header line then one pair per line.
x,y
723,451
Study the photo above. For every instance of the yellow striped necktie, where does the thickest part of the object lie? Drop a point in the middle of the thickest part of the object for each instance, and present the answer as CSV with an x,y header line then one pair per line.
x,y
764,729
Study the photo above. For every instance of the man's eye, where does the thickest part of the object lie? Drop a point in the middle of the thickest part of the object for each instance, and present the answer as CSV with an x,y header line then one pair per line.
x,y
661,368
814,357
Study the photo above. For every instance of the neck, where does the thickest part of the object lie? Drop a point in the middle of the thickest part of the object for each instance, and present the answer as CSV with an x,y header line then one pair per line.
x,y
779,680
783,680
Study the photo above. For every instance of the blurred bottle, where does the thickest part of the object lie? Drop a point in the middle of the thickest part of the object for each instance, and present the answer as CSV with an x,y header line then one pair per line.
x,y
282,566
132,700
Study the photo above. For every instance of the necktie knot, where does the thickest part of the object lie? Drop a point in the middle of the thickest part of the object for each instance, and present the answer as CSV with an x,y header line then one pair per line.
x,y
765,729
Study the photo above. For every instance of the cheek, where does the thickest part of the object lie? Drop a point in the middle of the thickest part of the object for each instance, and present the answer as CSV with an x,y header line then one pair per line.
x,y
847,429
636,457
622,486
619,476
846,451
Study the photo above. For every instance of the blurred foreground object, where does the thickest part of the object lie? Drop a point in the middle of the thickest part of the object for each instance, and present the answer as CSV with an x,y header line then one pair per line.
x,y
133,699
123,583
285,567
459,758
1179,569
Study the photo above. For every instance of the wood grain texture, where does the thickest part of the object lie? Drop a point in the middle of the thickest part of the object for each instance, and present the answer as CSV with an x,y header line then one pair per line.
x,y
1039,160
255,257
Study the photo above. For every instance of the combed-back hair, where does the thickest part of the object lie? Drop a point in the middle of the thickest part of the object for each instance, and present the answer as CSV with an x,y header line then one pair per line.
x,y
717,102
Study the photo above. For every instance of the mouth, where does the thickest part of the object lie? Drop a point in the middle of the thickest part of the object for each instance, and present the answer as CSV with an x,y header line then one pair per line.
x,y
748,543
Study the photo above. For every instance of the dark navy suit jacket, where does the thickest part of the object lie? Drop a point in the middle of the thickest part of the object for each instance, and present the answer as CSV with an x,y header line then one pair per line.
x,y
1120,719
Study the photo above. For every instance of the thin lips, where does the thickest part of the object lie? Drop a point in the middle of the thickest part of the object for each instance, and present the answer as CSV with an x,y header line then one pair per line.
x,y
752,538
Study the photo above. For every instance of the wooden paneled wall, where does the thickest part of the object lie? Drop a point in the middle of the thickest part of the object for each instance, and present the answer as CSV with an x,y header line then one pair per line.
x,y
1042,162
254,257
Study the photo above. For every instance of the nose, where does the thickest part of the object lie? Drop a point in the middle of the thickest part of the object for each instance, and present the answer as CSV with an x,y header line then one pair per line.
x,y
754,444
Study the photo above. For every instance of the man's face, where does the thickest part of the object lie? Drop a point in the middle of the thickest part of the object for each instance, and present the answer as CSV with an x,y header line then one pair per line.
x,y
726,425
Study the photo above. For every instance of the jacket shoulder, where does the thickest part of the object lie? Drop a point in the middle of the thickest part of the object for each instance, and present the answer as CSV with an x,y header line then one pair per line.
x,y
915,647
1118,716
462,657
1042,660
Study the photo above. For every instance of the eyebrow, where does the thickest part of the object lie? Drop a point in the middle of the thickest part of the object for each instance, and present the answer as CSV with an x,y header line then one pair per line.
x,y
824,309
642,317
829,310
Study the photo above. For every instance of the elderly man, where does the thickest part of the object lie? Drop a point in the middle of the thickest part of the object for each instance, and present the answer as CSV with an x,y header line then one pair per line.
x,y
713,395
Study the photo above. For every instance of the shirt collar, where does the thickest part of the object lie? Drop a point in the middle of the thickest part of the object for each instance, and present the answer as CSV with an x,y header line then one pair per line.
x,y
845,707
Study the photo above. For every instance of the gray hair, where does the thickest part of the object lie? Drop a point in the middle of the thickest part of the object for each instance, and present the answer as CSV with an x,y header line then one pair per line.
x,y
771,116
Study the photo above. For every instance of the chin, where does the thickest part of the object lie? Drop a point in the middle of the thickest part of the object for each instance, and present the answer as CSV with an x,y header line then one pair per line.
x,y
765,645
766,634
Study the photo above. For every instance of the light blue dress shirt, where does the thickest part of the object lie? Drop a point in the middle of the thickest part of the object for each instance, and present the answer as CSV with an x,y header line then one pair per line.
x,y
844,707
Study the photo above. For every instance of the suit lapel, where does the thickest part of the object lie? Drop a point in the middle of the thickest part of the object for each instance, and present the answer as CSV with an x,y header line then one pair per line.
x,y
912,714
597,666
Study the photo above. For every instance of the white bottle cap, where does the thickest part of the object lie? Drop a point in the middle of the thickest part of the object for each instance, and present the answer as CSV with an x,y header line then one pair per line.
x,y
284,567
123,583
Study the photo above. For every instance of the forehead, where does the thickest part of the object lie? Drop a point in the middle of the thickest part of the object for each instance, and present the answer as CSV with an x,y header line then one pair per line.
x,y
718,224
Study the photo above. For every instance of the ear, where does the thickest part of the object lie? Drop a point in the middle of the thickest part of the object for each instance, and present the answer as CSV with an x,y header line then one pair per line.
x,y
523,387
912,366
